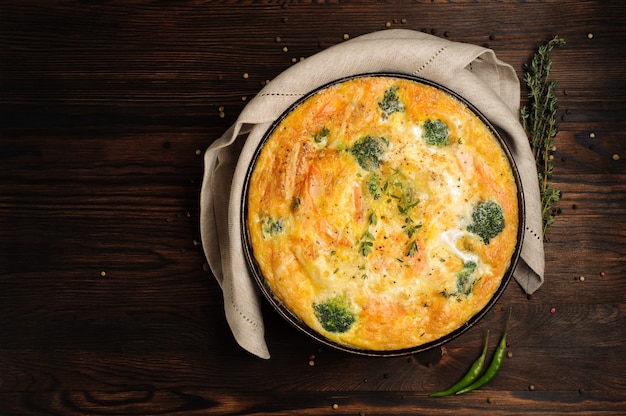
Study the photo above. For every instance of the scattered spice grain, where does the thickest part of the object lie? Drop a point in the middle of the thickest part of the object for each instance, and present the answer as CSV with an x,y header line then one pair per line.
x,y
103,273
346,36
615,156
509,354
531,387
581,278
335,406
246,75
602,274
589,35
277,39
592,135
285,49
553,310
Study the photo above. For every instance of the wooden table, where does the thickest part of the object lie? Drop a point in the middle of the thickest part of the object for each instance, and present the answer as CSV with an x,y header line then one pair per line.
x,y
107,306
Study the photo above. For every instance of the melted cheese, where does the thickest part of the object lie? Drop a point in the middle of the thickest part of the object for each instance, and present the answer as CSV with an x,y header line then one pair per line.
x,y
389,238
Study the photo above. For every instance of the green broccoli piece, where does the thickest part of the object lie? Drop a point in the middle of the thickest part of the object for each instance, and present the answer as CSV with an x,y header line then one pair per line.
x,y
390,102
335,314
435,133
463,284
488,220
321,137
373,186
271,226
368,151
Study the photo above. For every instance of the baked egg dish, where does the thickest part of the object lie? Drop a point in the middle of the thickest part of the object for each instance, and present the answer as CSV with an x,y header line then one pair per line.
x,y
382,212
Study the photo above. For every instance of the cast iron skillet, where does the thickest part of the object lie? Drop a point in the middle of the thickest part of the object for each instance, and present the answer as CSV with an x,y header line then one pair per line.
x,y
290,316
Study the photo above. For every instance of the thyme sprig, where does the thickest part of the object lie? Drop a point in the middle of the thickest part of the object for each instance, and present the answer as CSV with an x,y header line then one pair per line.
x,y
539,122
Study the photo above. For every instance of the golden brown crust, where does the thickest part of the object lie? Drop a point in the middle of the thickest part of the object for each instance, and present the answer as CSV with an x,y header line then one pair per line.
x,y
388,235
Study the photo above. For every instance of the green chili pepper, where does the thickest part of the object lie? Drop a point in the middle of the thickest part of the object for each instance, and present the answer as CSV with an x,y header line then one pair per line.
x,y
494,366
471,375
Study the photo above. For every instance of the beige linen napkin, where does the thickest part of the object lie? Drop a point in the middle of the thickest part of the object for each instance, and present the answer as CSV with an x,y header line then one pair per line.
x,y
471,71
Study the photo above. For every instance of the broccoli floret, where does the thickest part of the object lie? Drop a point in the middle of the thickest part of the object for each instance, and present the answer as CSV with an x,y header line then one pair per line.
x,y
335,314
390,102
373,186
271,226
435,133
463,284
488,220
321,137
368,151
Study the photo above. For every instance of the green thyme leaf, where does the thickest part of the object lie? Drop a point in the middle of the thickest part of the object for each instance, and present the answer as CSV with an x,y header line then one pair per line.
x,y
539,122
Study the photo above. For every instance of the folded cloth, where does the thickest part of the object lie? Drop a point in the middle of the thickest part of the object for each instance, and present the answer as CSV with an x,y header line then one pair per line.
x,y
471,71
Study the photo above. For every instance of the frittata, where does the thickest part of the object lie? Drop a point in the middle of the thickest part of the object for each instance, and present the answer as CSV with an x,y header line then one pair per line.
x,y
382,212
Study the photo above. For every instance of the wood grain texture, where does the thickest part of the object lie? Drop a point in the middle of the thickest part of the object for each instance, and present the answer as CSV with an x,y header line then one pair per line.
x,y
106,303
